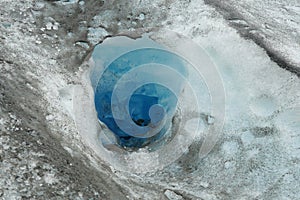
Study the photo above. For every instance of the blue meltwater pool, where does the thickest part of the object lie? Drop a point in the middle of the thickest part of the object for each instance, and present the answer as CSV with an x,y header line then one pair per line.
x,y
132,92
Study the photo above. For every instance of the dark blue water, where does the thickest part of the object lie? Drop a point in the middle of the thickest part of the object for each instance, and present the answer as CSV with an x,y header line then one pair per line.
x,y
142,99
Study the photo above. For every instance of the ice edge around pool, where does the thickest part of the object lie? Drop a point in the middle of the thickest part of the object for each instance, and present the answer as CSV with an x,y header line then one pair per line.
x,y
189,122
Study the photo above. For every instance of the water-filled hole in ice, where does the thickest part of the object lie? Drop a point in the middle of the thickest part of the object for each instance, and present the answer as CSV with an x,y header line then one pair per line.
x,y
178,120
151,105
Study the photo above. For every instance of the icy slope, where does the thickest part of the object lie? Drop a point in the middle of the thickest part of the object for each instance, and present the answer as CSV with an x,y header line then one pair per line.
x,y
272,24
258,155
42,155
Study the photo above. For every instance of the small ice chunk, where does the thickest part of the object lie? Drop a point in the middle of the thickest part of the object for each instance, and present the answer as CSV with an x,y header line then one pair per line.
x,y
68,2
81,3
204,184
50,178
141,17
49,26
38,6
210,120
95,35
55,26
69,150
171,195
83,45
49,117
2,121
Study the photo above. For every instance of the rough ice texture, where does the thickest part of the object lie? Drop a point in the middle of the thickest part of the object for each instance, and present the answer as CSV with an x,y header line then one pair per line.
x,y
274,25
36,63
